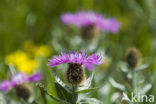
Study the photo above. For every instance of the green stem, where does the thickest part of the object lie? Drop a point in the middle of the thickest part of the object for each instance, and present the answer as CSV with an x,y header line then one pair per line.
x,y
134,81
44,97
74,95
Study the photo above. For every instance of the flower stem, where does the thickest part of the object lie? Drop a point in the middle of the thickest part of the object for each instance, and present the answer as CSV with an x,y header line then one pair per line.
x,y
134,81
43,96
74,95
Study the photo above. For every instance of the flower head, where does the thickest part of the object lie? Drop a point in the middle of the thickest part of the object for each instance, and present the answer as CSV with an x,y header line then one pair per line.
x,y
5,86
83,19
19,79
23,91
76,57
133,57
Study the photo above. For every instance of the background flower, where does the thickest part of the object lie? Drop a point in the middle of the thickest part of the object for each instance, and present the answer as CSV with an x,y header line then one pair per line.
x,y
18,79
39,21
81,19
22,61
26,60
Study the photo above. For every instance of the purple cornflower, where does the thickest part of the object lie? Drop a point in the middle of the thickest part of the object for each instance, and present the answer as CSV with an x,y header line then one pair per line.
x,y
5,86
83,19
18,79
76,58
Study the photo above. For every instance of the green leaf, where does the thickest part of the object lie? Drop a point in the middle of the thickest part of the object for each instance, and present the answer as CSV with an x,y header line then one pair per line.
x,y
146,88
2,99
87,90
44,91
116,84
58,80
142,67
63,93
51,96
23,101
48,76
89,101
87,83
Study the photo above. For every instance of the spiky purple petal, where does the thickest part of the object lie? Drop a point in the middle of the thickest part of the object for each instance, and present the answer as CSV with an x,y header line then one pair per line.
x,y
19,78
35,77
76,57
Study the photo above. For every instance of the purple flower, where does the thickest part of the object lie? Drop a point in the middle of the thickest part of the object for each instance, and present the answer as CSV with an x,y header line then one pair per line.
x,y
18,79
81,19
76,57
5,86
35,77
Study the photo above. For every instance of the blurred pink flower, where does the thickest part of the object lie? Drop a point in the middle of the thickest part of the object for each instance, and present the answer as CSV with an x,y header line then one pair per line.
x,y
18,79
81,19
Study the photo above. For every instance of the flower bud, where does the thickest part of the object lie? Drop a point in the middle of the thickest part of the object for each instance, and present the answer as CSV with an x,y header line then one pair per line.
x,y
23,91
75,74
133,58
90,32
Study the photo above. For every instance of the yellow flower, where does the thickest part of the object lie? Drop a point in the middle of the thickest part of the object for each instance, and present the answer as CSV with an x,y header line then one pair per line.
x,y
17,57
27,67
35,50
43,50
21,61
25,60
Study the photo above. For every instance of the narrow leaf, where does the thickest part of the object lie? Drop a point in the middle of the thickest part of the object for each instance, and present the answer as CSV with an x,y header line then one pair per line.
x,y
58,80
87,83
87,90
89,101
63,93
51,96
116,85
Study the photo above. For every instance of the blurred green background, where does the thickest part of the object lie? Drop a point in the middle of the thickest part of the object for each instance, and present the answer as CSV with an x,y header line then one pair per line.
x,y
22,20
39,21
